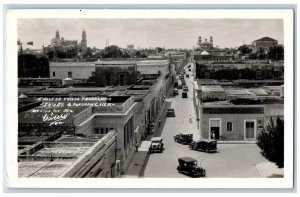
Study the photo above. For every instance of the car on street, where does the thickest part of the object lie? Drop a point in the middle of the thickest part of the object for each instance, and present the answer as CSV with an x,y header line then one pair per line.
x,y
185,88
181,76
183,138
170,112
156,145
190,70
204,145
175,91
189,166
184,94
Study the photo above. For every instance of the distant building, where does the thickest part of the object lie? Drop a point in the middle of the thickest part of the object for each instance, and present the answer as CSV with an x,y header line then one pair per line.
x,y
265,42
115,72
83,43
74,70
59,43
205,45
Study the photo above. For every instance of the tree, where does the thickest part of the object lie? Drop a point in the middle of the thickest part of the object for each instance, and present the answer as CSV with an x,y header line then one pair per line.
x,y
271,142
276,53
112,51
245,49
138,54
30,65
71,52
88,52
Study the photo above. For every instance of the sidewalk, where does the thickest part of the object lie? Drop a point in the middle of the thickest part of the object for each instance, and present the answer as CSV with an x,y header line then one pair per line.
x,y
137,163
269,170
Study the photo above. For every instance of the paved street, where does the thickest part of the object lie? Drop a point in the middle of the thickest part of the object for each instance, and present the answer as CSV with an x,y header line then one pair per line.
x,y
232,160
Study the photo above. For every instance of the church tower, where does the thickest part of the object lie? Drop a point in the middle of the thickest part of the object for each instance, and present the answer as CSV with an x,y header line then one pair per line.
x,y
83,41
57,36
211,40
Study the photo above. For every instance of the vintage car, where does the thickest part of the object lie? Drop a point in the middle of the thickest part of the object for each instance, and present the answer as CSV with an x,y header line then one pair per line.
x,y
175,91
183,138
185,88
190,70
156,145
189,166
184,94
204,145
187,75
170,112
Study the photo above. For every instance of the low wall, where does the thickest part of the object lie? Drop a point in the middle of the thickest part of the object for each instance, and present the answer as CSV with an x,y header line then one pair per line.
x,y
95,155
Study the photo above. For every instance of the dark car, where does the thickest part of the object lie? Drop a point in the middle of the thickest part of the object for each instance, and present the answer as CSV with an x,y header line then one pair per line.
x,y
183,138
187,75
184,94
185,88
156,145
170,112
175,91
204,145
189,166
190,70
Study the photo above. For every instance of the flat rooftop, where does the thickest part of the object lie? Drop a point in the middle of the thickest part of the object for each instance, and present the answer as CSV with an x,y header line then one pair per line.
x,y
77,64
212,88
54,158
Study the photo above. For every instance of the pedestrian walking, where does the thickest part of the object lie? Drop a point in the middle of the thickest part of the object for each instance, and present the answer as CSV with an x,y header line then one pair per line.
x,y
190,118
159,121
136,146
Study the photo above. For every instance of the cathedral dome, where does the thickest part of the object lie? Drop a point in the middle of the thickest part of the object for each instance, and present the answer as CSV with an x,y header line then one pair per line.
x,y
204,53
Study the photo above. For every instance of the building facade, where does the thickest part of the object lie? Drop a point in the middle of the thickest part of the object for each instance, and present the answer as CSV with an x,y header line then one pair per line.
x,y
265,43
116,72
74,70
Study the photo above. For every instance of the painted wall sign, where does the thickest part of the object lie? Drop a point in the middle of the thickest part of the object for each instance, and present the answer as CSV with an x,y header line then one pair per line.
x,y
57,111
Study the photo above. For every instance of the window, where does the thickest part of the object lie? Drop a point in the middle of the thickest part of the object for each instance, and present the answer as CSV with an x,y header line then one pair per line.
x,y
53,74
229,126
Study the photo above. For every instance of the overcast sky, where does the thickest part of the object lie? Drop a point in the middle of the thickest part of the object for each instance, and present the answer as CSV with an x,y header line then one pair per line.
x,y
144,33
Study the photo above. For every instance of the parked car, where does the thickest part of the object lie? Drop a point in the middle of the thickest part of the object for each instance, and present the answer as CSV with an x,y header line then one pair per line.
x,y
170,112
204,145
187,75
189,166
175,91
156,145
181,76
185,88
183,138
184,94
190,69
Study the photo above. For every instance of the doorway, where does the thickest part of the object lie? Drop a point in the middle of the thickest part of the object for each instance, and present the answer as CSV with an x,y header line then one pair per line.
x,y
214,128
249,129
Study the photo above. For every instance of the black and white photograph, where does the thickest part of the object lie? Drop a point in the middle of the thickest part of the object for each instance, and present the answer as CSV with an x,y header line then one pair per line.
x,y
150,98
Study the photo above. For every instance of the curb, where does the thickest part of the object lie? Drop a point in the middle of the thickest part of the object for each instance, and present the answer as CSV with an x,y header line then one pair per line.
x,y
236,142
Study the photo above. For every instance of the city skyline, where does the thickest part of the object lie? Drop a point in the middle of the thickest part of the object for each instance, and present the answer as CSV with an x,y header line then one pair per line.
x,y
145,33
